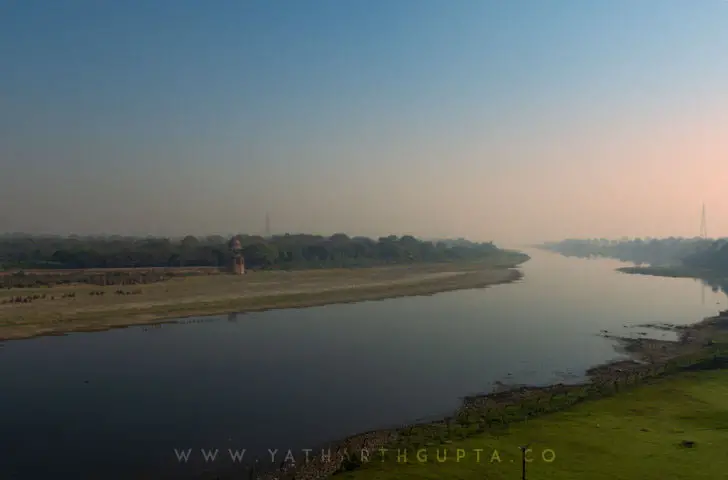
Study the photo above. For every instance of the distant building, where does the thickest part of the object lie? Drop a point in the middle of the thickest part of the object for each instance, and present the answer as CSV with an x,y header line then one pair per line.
x,y
238,261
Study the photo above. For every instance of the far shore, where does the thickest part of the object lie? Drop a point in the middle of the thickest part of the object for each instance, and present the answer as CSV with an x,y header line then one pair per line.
x,y
669,271
81,308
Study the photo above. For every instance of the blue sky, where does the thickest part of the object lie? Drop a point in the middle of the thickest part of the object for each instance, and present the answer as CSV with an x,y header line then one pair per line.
x,y
404,116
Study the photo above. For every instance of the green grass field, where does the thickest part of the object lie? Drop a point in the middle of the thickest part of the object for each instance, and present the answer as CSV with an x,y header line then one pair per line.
x,y
637,434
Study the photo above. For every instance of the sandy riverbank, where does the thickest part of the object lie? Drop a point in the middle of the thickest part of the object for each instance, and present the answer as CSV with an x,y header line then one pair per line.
x,y
74,308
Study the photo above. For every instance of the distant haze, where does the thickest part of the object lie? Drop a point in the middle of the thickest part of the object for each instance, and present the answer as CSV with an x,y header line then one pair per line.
x,y
507,121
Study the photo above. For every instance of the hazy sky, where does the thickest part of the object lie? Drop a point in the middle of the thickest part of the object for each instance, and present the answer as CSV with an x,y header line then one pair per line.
x,y
507,120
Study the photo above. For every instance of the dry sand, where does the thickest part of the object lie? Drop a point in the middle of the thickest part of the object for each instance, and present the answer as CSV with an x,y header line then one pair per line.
x,y
220,294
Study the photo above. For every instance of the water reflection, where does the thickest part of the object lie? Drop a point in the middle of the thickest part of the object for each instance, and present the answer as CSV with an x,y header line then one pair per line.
x,y
716,285
294,378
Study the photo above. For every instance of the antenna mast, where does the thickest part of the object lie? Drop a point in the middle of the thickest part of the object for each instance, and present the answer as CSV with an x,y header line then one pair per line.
x,y
703,224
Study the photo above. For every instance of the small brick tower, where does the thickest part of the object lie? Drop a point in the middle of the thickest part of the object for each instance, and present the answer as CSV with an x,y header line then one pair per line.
x,y
236,251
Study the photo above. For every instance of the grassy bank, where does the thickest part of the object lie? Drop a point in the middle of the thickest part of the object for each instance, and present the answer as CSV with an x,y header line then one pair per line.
x,y
669,271
662,414
68,308
644,433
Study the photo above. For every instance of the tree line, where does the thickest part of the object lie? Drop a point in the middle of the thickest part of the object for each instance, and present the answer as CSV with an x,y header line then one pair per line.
x,y
652,251
281,251
713,258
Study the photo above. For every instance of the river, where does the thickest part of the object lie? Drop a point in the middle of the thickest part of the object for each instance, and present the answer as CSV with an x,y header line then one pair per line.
x,y
117,404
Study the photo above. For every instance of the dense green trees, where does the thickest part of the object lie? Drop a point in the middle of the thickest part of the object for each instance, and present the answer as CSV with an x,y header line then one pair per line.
x,y
656,252
714,257
283,251
698,257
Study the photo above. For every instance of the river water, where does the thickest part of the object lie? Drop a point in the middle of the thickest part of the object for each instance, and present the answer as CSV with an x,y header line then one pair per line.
x,y
118,404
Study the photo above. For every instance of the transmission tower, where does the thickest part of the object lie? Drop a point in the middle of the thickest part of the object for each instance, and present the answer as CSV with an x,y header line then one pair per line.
x,y
267,225
703,224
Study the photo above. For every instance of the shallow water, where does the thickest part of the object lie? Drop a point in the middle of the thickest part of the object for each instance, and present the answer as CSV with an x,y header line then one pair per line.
x,y
117,404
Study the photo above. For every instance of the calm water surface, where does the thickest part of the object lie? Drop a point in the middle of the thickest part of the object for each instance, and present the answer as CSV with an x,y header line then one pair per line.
x,y
117,404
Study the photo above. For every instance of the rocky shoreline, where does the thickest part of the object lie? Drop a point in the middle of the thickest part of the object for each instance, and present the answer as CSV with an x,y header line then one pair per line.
x,y
648,358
